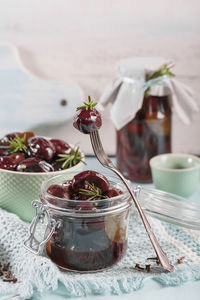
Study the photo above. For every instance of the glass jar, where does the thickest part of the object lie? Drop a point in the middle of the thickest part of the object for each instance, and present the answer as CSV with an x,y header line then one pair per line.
x,y
80,239
147,135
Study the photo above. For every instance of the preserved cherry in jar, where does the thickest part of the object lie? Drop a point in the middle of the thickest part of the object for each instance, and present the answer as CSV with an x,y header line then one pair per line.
x,y
147,135
86,221
141,96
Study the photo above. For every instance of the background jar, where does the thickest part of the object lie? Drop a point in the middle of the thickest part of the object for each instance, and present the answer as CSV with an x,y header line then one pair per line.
x,y
86,240
147,135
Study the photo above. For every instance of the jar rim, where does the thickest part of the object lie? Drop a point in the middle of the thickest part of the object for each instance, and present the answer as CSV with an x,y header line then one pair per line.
x,y
117,202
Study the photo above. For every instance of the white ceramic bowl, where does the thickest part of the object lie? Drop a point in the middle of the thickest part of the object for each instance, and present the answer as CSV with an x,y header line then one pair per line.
x,y
18,189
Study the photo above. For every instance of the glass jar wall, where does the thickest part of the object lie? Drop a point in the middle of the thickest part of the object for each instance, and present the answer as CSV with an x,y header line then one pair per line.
x,y
147,135
87,240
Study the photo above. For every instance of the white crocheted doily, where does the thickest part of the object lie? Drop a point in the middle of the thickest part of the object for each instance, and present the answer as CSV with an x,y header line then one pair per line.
x,y
39,273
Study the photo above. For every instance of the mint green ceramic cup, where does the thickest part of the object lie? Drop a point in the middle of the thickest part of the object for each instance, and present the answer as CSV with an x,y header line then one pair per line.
x,y
176,173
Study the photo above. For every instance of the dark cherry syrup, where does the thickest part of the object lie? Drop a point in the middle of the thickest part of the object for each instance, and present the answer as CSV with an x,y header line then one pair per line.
x,y
87,260
147,135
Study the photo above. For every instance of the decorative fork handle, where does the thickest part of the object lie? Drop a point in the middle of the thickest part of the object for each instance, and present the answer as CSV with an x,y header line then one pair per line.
x,y
165,262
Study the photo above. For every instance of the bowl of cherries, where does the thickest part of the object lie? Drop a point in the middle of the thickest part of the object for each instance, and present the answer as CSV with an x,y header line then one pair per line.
x,y
87,221
26,161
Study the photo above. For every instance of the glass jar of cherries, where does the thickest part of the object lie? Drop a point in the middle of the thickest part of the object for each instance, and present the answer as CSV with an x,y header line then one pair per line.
x,y
86,221
147,135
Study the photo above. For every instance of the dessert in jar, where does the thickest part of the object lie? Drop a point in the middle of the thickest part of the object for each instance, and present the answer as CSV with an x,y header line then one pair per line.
x,y
147,135
142,96
90,216
99,239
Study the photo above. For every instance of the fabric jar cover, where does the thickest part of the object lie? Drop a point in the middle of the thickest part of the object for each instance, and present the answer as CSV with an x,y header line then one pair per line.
x,y
127,91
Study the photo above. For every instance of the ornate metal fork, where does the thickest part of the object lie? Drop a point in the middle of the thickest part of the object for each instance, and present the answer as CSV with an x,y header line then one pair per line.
x,y
107,163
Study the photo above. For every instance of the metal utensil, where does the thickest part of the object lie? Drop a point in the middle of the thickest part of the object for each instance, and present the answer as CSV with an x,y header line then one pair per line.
x,y
107,163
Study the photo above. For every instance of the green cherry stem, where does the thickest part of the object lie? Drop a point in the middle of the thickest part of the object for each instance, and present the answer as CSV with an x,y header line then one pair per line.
x,y
87,105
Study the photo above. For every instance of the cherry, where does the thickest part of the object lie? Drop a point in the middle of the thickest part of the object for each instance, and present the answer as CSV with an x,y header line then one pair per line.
x,y
80,181
34,164
57,165
96,224
7,163
82,197
88,119
63,192
4,151
27,135
3,142
60,146
41,148
45,166
59,191
113,193
10,136
17,157
68,183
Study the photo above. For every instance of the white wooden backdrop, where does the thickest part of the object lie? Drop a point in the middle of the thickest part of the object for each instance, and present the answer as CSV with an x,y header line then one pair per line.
x,y
81,40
